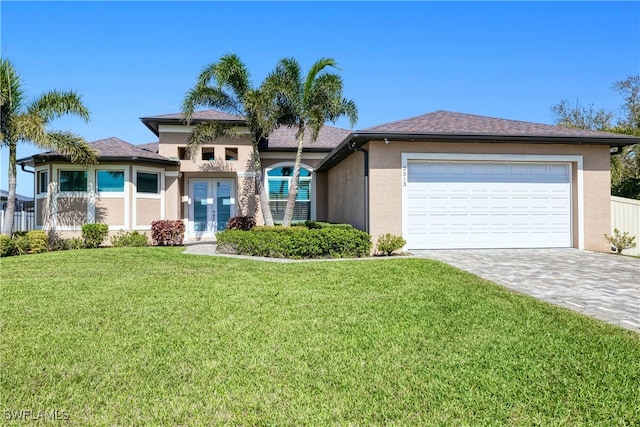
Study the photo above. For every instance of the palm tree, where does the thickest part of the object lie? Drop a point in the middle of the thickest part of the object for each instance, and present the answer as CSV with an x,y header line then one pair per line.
x,y
307,104
225,85
24,121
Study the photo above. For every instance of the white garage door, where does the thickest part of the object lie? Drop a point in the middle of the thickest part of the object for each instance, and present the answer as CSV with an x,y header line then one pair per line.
x,y
453,204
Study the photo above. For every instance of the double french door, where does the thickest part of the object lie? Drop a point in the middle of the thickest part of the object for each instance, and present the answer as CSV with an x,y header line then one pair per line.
x,y
212,203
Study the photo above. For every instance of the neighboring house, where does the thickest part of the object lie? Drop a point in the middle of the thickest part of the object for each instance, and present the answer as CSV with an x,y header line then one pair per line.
x,y
23,203
442,180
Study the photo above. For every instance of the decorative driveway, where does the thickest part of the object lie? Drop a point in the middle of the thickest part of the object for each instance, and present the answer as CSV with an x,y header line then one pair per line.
x,y
603,286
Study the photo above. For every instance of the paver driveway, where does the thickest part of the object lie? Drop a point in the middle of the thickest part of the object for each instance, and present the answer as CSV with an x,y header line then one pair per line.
x,y
603,286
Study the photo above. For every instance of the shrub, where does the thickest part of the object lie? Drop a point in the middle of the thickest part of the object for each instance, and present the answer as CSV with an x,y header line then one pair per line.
x,y
245,223
167,232
7,246
296,242
68,244
94,234
620,242
38,241
24,242
389,243
319,224
129,239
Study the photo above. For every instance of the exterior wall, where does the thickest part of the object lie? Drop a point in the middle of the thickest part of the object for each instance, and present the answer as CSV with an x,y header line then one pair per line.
x,y
345,192
175,138
386,179
66,212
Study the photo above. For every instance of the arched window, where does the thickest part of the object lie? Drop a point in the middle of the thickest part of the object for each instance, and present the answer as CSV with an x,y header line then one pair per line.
x,y
278,183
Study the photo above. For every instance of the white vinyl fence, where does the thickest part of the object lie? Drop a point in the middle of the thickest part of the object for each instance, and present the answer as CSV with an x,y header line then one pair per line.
x,y
625,216
22,221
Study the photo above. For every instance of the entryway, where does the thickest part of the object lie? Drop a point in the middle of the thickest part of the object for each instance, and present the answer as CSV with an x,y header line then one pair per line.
x,y
211,204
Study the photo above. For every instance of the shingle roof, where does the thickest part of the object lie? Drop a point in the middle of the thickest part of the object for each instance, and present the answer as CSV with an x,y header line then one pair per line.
x,y
282,138
446,122
329,137
199,115
445,126
114,149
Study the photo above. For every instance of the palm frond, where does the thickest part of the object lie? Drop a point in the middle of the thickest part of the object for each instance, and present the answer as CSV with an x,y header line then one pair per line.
x,y
210,97
54,104
72,146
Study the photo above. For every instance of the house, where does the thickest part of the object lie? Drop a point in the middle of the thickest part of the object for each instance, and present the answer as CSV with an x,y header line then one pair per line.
x,y
442,180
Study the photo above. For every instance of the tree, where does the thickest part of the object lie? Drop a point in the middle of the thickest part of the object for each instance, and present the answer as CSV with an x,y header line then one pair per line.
x,y
625,167
225,85
307,104
24,121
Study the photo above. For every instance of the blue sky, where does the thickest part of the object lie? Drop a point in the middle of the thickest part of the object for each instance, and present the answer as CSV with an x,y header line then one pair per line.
x,y
399,59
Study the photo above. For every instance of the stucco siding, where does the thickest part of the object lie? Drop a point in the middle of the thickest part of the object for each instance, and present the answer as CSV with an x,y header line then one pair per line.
x,y
71,211
110,211
171,142
386,180
147,211
345,192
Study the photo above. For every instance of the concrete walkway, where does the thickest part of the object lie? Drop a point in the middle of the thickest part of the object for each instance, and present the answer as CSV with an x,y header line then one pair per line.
x,y
604,286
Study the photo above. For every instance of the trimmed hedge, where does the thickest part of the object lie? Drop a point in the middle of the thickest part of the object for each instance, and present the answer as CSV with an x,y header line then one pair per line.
x,y
342,241
166,232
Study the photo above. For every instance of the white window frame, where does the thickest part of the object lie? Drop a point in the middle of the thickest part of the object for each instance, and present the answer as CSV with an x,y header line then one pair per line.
x,y
136,196
312,189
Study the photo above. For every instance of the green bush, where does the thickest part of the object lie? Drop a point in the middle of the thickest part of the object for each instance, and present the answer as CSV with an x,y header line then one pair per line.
x,y
133,238
296,242
389,243
24,242
67,244
38,241
94,234
7,246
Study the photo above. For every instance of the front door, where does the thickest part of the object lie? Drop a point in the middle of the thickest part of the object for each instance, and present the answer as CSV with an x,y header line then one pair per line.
x,y
211,205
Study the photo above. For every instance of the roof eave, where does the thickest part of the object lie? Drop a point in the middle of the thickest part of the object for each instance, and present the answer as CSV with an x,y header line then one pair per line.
x,y
40,159
153,123
358,139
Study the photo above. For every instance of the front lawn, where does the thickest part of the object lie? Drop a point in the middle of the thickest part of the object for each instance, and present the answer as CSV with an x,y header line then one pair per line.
x,y
133,336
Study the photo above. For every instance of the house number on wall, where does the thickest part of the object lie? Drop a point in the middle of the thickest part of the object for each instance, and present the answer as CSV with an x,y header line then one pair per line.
x,y
404,175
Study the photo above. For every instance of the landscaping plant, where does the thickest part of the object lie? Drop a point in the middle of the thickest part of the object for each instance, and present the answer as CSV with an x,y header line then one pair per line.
x,y
94,235
389,243
619,242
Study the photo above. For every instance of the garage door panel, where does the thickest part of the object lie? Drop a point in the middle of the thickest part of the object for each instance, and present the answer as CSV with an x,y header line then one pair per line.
x,y
492,205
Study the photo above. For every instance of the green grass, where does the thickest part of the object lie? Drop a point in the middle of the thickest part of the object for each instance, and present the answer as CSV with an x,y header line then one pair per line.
x,y
151,336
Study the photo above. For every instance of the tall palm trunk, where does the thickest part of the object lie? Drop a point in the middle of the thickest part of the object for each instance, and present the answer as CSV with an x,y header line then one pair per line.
x,y
261,189
7,226
293,188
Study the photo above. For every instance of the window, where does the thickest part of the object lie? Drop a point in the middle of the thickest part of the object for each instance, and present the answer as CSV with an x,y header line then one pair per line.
x,y
112,181
208,153
183,153
43,182
147,182
231,154
73,181
278,183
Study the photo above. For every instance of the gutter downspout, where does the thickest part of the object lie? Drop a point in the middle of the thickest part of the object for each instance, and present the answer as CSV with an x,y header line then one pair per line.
x,y
353,147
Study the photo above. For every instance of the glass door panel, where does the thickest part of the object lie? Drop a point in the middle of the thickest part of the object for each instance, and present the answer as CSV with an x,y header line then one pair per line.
x,y
200,207
224,204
